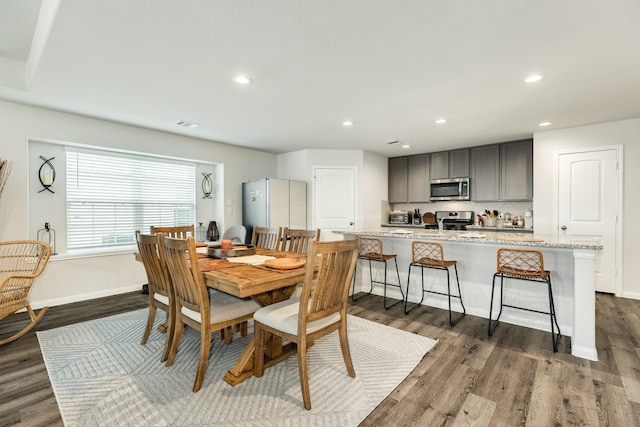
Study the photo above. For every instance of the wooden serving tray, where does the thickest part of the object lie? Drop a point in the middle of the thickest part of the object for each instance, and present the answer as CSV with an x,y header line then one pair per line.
x,y
285,263
215,251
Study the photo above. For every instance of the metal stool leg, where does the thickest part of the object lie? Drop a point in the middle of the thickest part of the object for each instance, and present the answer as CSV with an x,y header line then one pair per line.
x,y
406,300
384,300
552,314
493,324
464,311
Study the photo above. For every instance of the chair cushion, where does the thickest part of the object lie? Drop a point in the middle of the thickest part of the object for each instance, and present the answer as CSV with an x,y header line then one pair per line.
x,y
161,298
224,307
284,317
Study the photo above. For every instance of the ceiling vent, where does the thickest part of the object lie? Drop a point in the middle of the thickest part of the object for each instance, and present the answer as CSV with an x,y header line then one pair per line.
x,y
186,124
393,142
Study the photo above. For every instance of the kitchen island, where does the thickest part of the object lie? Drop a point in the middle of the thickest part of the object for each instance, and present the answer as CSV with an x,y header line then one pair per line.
x,y
572,263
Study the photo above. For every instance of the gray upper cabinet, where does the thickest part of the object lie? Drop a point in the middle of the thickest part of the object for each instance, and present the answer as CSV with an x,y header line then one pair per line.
x,y
516,164
450,164
485,173
418,177
398,167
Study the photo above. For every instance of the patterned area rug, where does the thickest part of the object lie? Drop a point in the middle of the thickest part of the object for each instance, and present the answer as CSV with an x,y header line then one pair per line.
x,y
102,376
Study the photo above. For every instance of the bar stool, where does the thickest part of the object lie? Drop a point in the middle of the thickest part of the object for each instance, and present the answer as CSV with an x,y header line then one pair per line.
x,y
371,250
523,264
431,255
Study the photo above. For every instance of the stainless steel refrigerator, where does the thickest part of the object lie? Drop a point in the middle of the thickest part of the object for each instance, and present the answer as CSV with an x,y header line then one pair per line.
x,y
273,202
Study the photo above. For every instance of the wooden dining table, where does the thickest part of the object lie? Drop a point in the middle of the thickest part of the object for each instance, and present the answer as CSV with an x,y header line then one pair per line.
x,y
266,286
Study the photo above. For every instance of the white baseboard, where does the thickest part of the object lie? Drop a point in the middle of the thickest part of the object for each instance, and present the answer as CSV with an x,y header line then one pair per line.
x,y
631,295
84,297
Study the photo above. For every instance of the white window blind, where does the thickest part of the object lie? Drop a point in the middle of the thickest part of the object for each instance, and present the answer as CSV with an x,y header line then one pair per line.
x,y
110,195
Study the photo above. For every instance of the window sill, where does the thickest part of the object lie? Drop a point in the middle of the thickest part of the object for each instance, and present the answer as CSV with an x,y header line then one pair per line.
x,y
96,253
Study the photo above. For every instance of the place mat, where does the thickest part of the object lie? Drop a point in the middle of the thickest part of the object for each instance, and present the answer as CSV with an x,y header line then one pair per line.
x,y
251,259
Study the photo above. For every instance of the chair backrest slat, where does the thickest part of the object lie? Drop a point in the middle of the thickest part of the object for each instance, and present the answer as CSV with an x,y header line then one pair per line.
x,y
266,237
177,232
298,240
150,250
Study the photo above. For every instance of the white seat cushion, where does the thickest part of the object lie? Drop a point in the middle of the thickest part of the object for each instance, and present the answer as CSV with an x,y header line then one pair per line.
x,y
284,317
161,298
224,307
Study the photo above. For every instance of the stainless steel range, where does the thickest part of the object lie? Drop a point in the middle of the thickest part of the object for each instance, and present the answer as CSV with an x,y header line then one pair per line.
x,y
453,220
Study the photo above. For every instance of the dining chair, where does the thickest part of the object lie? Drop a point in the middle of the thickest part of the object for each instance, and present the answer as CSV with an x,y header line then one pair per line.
x,y
320,310
235,233
204,311
161,292
177,232
21,262
266,237
523,264
297,240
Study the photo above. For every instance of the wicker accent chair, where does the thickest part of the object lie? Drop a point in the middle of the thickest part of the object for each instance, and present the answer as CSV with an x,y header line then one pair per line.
x,y
523,264
204,311
298,241
21,262
321,309
161,292
266,237
430,255
177,232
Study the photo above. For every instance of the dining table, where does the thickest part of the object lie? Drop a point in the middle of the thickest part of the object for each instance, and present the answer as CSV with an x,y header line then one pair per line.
x,y
265,285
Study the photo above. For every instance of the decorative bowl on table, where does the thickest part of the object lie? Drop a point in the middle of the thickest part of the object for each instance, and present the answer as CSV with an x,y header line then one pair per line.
x,y
214,250
286,263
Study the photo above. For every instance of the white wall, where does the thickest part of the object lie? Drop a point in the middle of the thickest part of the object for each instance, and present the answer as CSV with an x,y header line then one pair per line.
x,y
371,178
72,278
626,132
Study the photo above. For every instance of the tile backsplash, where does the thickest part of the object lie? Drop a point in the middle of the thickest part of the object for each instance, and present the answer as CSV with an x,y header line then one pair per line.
x,y
514,208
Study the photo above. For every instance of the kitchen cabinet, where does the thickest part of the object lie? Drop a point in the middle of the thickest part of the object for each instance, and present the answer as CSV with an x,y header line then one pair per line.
x,y
502,172
398,188
418,178
485,173
516,167
450,164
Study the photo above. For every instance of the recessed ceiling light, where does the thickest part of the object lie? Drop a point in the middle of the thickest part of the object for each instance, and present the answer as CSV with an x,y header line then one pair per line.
x,y
534,78
544,124
242,80
187,124
406,146
441,121
348,123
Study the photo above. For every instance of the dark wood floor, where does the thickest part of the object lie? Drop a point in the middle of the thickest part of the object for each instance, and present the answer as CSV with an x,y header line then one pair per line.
x,y
510,379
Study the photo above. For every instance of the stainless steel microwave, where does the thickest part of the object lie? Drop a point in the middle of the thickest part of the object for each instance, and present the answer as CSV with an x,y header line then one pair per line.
x,y
450,189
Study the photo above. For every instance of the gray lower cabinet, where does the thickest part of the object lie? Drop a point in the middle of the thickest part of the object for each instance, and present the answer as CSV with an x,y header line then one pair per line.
x,y
418,177
485,173
398,167
516,165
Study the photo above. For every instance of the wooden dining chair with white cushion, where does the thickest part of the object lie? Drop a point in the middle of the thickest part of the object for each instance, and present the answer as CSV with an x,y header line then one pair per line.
x,y
161,292
204,311
266,237
177,232
21,262
320,310
298,241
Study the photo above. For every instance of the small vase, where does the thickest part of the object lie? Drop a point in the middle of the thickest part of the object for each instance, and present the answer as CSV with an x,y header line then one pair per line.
x,y
201,233
212,232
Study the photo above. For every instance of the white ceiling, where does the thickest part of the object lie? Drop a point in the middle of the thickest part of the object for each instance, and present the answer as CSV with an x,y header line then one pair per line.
x,y
391,66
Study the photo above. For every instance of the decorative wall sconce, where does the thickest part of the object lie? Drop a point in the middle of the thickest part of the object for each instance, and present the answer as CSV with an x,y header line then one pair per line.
x,y
48,235
207,185
46,174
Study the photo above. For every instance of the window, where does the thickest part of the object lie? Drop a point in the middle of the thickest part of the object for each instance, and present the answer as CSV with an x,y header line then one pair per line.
x,y
110,195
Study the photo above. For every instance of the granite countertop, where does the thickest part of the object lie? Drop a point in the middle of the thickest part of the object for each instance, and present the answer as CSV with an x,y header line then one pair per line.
x,y
469,227
476,236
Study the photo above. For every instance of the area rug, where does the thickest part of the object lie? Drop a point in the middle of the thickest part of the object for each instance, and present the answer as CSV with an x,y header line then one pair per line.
x,y
102,376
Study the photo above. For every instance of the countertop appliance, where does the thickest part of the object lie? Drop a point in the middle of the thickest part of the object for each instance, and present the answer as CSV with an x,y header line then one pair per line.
x,y
450,189
273,202
400,217
452,220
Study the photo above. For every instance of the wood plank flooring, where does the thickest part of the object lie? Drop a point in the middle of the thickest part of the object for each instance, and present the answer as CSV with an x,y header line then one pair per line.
x,y
510,379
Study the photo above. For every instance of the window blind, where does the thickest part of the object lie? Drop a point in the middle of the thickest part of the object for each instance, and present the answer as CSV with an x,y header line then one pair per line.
x,y
110,195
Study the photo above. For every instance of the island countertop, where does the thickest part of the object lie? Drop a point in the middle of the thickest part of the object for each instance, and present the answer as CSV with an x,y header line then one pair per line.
x,y
492,237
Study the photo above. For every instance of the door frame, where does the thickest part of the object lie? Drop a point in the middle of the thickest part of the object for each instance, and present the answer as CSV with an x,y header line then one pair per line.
x,y
355,192
619,229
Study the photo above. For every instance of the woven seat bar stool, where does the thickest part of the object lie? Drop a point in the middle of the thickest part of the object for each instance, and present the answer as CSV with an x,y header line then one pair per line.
x,y
431,255
371,250
523,264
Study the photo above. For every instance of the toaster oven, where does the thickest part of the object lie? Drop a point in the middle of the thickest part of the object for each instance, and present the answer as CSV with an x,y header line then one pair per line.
x,y
400,217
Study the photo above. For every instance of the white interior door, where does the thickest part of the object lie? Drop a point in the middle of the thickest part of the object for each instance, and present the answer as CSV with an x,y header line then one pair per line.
x,y
588,206
334,200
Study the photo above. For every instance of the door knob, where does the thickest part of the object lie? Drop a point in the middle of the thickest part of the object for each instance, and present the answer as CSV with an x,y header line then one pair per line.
x,y
351,223
564,227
